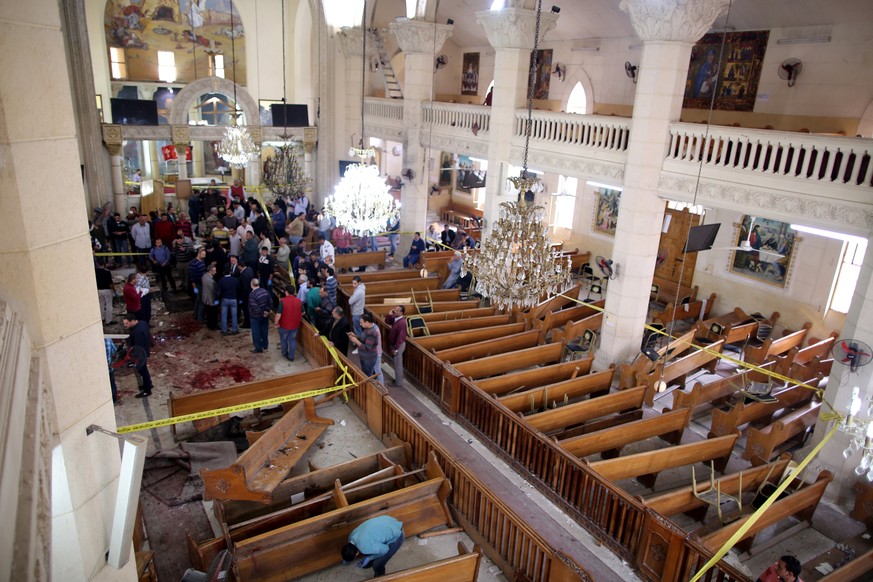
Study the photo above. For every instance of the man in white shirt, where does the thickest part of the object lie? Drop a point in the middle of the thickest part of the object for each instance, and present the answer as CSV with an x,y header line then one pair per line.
x,y
142,238
327,250
301,205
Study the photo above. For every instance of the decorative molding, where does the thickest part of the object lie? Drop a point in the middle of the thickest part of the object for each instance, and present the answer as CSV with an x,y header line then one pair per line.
x,y
310,135
514,28
442,142
181,133
392,132
351,41
573,165
112,134
776,204
191,93
673,20
418,36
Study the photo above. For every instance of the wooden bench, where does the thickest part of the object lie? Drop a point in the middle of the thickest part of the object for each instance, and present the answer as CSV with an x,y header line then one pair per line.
x,y
461,568
345,280
402,285
576,329
358,259
462,338
438,262
760,444
558,319
542,397
579,259
574,414
536,377
247,392
313,544
701,394
425,296
490,347
436,306
627,373
555,303
854,570
771,347
608,442
460,215
727,421
683,499
816,348
455,325
697,309
265,464
669,290
676,371
469,310
646,466
494,365
801,504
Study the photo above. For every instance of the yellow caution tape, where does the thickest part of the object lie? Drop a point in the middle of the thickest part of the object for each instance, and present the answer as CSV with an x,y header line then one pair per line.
x,y
764,507
232,409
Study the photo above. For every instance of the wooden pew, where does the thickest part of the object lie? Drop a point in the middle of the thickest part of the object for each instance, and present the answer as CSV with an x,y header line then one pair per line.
x,y
358,259
646,466
420,296
455,325
676,371
543,396
816,348
490,347
698,309
579,259
247,392
402,285
541,376
494,365
627,373
468,311
720,389
558,302
345,279
760,444
462,338
557,319
801,504
727,421
438,262
683,500
573,414
310,545
411,309
771,347
576,329
669,426
854,570
265,464
461,568
667,290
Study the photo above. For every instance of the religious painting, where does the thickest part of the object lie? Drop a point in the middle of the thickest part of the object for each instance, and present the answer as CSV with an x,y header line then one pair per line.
x,y
770,245
728,68
606,210
264,111
447,164
543,75
470,74
195,31
465,166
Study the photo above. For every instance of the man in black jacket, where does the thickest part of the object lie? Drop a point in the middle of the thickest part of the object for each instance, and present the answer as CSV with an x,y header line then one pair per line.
x,y
229,296
338,333
140,341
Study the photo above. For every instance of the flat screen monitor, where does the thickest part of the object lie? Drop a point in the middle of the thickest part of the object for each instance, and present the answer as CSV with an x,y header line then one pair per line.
x,y
134,112
475,179
293,115
701,238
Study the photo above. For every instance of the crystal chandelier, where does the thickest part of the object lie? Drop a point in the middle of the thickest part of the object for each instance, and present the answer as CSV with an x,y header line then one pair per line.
x,y
361,202
237,147
516,266
284,174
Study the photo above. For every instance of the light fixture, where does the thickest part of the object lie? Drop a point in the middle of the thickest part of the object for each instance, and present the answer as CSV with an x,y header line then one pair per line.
x,y
361,202
585,49
516,266
804,40
237,147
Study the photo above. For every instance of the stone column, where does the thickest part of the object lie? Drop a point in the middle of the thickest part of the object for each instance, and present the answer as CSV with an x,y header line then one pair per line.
x,y
668,30
420,41
181,138
112,138
181,160
511,32
310,141
347,105
324,61
196,158
40,250
253,168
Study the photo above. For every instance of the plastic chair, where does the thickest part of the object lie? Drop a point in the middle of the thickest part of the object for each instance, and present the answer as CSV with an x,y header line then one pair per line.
x,y
582,348
713,495
415,323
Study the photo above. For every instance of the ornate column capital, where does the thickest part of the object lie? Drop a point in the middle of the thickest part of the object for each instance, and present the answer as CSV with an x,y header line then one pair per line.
x,y
310,136
673,20
350,41
181,134
419,36
112,135
514,28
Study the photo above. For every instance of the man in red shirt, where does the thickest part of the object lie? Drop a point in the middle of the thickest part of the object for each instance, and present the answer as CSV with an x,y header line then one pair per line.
x,y
786,569
165,230
397,340
132,299
288,319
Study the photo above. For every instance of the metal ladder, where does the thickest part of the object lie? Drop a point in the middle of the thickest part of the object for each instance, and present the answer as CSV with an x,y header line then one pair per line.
x,y
392,87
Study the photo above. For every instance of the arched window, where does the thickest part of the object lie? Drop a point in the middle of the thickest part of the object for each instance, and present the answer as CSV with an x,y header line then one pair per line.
x,y
578,101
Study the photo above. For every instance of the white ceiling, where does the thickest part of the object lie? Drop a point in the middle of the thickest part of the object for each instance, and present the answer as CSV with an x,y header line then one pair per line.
x,y
584,19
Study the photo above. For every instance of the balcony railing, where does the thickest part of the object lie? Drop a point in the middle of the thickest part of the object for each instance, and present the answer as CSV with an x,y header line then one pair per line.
x,y
458,116
590,131
813,158
383,109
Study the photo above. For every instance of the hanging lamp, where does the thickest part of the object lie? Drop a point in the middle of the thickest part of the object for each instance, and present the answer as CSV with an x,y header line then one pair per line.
x,y
237,147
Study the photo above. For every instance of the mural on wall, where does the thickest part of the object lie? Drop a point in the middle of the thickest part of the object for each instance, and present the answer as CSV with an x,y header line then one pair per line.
x,y
465,166
543,73
144,27
606,210
447,163
727,66
771,245
470,76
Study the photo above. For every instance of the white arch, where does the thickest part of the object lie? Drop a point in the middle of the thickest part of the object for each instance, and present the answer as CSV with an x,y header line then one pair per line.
x,y
193,91
577,74
865,126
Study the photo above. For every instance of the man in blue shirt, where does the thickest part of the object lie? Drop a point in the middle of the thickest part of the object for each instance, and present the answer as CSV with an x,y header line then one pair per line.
x,y
377,540
415,250
160,257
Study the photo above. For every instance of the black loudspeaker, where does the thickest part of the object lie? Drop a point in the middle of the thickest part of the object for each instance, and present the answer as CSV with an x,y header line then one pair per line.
x,y
293,115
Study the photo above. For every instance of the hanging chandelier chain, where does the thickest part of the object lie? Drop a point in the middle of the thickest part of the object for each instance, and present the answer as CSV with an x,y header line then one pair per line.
x,y
233,59
531,84
284,78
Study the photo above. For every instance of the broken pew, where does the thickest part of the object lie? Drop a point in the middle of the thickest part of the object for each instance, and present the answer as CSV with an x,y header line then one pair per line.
x,y
461,568
761,444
